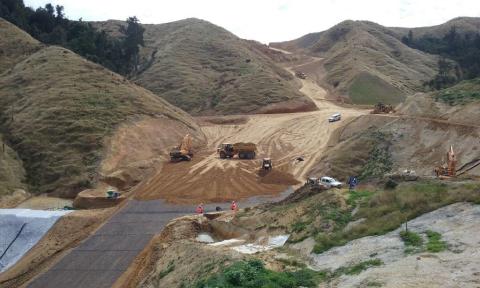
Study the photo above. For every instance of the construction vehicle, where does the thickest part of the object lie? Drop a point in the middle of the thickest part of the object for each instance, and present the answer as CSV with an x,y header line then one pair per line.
x,y
182,152
301,75
381,108
267,164
448,169
243,150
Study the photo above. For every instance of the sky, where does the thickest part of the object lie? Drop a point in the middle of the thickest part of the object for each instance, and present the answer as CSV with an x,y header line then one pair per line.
x,y
272,20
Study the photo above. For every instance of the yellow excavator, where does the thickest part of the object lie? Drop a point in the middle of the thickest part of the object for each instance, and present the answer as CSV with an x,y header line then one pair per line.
x,y
182,152
448,169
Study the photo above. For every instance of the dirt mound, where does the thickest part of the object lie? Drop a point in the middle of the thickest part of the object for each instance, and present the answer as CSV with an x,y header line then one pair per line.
x,y
95,199
276,177
206,179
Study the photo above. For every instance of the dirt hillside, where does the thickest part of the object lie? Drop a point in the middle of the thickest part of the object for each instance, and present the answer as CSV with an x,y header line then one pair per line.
x,y
58,111
206,70
416,137
366,61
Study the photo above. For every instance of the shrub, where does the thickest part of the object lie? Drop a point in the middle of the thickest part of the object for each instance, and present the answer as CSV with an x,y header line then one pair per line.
x,y
391,184
410,238
253,274
435,244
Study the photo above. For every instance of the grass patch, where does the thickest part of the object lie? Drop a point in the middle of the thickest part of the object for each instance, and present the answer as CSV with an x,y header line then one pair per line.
x,y
369,89
166,271
358,268
252,273
435,243
357,197
462,93
411,238
380,159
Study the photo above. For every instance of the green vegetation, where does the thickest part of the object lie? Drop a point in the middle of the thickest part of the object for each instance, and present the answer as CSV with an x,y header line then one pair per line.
x,y
170,268
386,210
356,197
460,94
464,48
369,89
411,238
49,25
379,161
435,243
253,274
358,268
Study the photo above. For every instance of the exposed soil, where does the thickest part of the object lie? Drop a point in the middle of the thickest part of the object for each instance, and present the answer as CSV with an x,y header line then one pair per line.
x,y
282,137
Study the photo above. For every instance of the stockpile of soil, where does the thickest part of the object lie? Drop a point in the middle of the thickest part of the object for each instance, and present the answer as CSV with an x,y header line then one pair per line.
x,y
277,177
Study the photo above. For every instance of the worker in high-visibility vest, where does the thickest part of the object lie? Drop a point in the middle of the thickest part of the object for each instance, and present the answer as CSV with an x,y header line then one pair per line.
x,y
234,206
200,209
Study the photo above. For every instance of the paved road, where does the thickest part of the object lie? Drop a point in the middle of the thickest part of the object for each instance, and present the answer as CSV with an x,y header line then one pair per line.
x,y
100,260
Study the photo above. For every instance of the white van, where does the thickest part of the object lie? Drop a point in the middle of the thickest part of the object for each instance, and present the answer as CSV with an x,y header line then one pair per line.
x,y
335,117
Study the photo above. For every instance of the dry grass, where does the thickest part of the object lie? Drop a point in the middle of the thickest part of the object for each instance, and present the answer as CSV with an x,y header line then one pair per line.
x,y
12,174
59,108
207,70
15,45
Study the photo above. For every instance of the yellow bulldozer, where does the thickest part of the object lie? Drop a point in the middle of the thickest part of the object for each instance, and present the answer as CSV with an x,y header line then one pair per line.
x,y
381,108
243,150
182,152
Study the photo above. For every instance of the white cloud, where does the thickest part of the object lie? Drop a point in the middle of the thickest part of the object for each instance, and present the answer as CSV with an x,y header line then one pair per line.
x,y
273,20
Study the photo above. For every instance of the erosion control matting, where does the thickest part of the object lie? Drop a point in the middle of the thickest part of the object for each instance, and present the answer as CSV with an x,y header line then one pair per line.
x,y
102,258
20,230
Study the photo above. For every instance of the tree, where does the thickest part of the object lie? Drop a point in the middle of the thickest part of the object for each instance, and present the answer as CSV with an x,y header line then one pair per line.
x,y
133,39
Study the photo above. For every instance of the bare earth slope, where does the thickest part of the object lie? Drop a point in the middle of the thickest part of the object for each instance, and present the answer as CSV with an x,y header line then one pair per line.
x,y
58,111
206,70
417,137
366,61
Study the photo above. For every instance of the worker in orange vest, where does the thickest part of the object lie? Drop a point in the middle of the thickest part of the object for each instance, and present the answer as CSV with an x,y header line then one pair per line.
x,y
200,209
234,206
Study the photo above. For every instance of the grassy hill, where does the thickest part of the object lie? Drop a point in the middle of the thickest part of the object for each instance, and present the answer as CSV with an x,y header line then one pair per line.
x,y
463,25
206,70
12,174
16,46
58,109
367,62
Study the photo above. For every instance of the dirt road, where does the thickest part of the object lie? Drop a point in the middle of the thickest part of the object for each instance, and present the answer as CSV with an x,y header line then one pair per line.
x,y
282,137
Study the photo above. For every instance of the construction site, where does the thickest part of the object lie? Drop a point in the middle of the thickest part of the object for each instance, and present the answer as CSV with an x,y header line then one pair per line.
x,y
313,189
